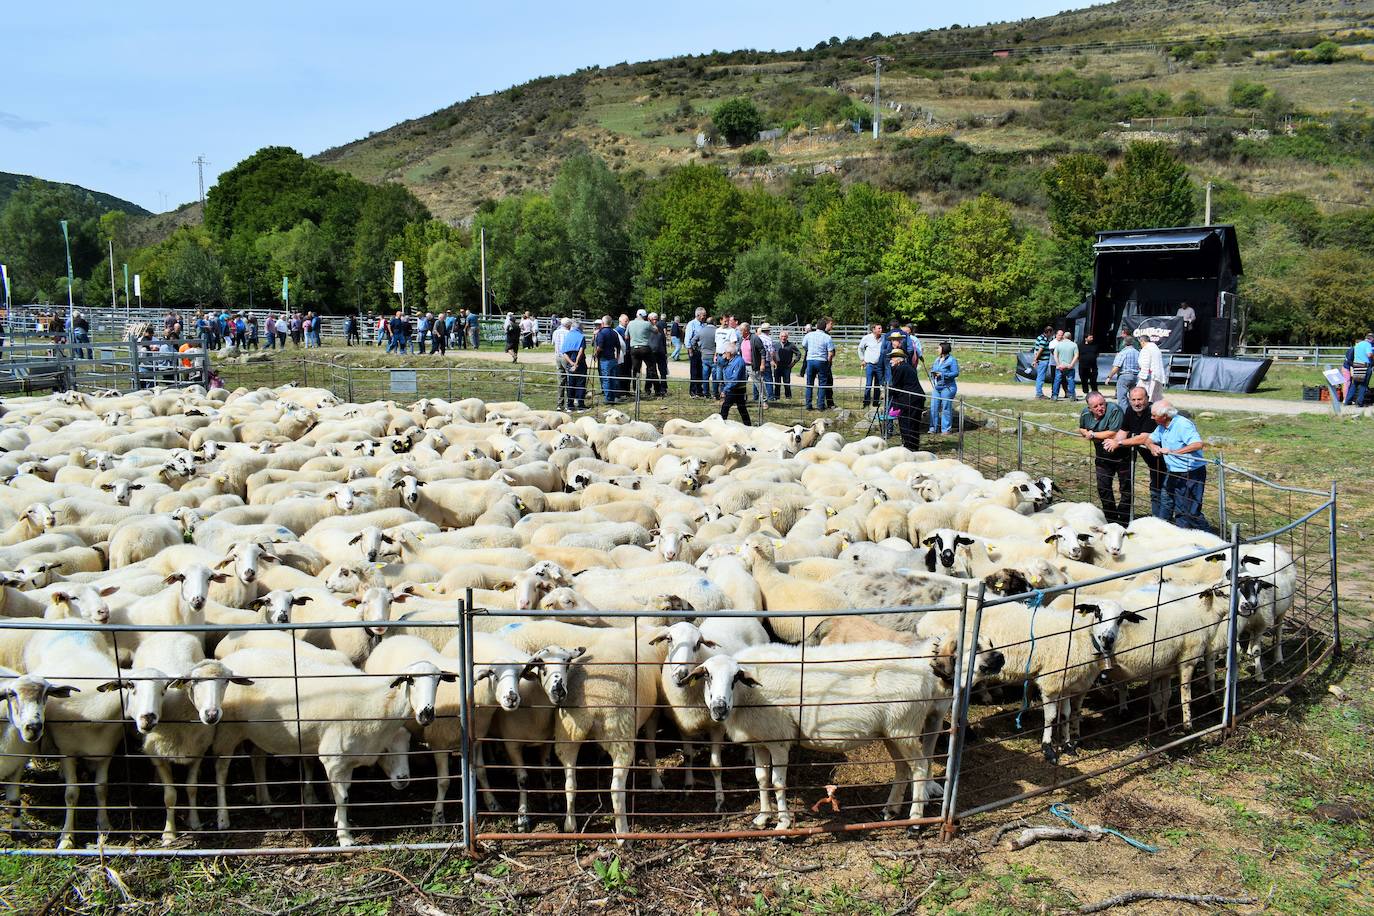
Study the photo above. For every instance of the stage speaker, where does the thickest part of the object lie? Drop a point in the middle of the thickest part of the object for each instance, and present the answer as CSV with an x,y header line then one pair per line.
x,y
1219,337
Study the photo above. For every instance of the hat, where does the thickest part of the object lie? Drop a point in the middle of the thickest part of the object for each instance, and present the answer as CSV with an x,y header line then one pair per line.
x,y
896,335
897,353
765,327
641,314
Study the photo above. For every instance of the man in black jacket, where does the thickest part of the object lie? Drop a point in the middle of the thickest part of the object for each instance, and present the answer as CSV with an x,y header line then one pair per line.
x,y
782,375
907,398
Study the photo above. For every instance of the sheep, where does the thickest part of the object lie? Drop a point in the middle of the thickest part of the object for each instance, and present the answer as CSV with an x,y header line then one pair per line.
x,y
26,698
782,592
687,645
82,727
146,537
35,519
759,695
342,716
173,694
949,552
1061,652
1267,584
606,698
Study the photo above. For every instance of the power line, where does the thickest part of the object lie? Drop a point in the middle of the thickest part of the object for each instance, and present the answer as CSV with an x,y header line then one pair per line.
x,y
201,163
877,61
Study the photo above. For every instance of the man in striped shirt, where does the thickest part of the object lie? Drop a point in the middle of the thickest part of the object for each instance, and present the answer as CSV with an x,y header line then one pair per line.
x,y
1041,360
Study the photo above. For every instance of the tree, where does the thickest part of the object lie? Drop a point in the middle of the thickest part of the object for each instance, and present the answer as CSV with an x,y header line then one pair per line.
x,y
738,120
594,209
384,213
1074,188
31,236
193,273
768,281
449,284
1339,294
687,229
1149,188
302,254
846,244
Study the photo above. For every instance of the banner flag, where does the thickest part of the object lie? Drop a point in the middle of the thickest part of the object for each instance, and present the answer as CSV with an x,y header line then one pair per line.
x,y
285,291
138,289
398,284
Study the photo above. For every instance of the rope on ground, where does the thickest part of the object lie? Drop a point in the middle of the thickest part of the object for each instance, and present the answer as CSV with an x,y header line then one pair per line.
x,y
1075,833
1065,813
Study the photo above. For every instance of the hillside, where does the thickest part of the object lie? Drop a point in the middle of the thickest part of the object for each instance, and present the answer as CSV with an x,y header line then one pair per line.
x,y
1049,84
9,183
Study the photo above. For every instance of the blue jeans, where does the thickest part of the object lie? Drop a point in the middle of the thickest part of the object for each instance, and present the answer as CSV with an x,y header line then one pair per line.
x,y
677,349
942,408
396,344
1124,384
1064,378
1358,392
763,384
1180,501
1042,368
717,376
815,373
607,368
874,375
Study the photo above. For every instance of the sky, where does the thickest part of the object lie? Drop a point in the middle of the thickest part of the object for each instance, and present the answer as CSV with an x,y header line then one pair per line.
x,y
122,98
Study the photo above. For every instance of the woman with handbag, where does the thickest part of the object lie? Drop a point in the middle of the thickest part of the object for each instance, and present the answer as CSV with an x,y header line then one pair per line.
x,y
906,398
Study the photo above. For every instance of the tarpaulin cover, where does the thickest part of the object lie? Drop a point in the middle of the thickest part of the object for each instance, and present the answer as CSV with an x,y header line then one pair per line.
x,y
1219,373
1174,240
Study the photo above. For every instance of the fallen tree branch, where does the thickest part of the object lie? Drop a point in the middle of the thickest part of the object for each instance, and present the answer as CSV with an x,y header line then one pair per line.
x,y
1033,835
1135,896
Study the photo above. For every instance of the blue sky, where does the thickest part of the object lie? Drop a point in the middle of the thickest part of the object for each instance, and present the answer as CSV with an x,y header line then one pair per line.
x,y
123,97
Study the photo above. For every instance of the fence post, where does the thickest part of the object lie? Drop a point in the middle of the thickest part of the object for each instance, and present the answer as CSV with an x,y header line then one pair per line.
x,y
305,372
1020,442
520,385
133,363
961,427
635,380
465,685
1335,594
450,383
964,670
1228,703
350,385
1221,494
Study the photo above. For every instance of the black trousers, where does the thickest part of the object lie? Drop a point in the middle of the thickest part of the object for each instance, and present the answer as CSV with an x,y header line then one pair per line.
x,y
1087,372
909,426
740,400
1116,509
661,361
696,387
644,358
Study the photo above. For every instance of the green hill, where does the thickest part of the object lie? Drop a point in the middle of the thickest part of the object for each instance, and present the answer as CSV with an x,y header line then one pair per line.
x,y
9,183
1080,79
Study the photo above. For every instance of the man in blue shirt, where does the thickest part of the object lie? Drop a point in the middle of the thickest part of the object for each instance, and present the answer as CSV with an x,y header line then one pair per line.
x,y
734,388
695,388
473,329
818,349
572,352
607,343
1361,362
1176,440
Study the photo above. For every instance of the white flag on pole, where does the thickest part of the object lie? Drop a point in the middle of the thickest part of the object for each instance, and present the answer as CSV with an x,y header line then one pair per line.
x,y
398,283
5,275
138,291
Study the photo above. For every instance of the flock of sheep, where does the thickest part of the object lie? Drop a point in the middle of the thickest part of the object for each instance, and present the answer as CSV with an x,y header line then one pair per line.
x,y
210,511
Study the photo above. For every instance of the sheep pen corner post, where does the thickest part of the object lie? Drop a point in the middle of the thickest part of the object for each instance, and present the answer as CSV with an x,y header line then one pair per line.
x,y
1230,697
467,835
965,665
1335,588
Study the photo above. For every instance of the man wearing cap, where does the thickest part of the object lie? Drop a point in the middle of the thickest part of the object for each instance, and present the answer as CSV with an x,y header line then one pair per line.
x,y
870,356
1040,360
768,361
572,351
1361,362
906,398
734,381
641,334
694,388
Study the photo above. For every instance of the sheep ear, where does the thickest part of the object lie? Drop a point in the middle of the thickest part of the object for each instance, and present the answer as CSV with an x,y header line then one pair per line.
x,y
257,602
352,602
219,577
401,597
964,542
356,538
703,641
388,539
111,685
225,562
177,683
62,690
173,578
742,678
1262,584
1088,609
1130,534
447,677
1133,617
579,652
1051,539
1250,561
398,484
107,591
135,486
483,673
242,681
662,637
697,674
403,679
60,597
104,486
1216,558
303,599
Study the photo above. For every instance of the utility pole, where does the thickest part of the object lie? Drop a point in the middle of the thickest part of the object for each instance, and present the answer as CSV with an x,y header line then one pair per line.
x,y
1207,220
113,304
483,234
201,163
877,61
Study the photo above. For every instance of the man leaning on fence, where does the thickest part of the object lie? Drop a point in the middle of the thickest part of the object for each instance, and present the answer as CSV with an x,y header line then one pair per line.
x,y
1133,439
1099,424
1176,440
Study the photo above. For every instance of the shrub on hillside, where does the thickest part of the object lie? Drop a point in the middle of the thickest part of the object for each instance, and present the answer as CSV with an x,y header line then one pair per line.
x,y
758,155
738,120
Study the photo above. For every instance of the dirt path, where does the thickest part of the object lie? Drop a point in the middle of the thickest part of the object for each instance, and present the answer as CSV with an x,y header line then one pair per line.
x,y
1012,391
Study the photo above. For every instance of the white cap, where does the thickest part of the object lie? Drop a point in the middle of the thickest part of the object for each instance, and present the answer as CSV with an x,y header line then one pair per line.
x,y
640,313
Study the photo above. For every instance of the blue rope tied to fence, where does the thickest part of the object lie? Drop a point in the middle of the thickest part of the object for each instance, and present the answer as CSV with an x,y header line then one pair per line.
x,y
1065,813
1037,599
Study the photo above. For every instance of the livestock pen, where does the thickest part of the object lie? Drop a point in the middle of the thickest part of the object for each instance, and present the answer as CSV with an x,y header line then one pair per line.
x,y
983,752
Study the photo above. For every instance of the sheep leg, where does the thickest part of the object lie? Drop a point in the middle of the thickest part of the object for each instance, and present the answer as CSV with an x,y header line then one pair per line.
x,y
779,754
901,781
1278,643
222,761
1185,692
762,763
1256,652
717,769
622,757
516,753
193,793
1073,728
567,755
71,795
169,800
102,796
340,776
1122,699
259,759
651,750
436,818
12,800
479,764
689,758
1051,708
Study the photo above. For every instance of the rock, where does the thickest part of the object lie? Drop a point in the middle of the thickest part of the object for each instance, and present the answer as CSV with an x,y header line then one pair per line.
x,y
256,358
1220,440
1336,812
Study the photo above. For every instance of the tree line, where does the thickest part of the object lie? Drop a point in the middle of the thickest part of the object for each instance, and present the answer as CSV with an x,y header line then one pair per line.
x,y
600,241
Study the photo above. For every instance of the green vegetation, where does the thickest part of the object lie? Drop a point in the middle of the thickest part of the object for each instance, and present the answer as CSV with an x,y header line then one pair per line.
x,y
737,120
